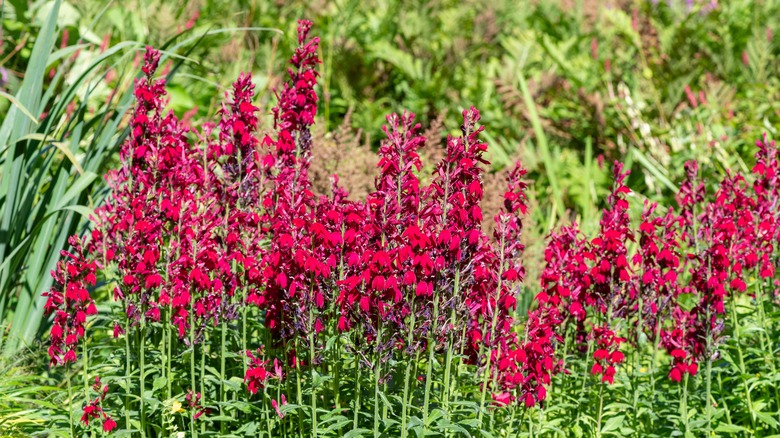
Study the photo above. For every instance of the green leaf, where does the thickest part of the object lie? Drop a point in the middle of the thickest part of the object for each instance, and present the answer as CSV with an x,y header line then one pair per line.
x,y
340,424
159,383
613,424
485,433
78,186
767,419
287,408
446,425
687,301
356,433
21,107
730,428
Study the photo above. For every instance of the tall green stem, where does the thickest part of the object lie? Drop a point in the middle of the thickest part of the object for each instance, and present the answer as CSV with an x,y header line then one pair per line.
x,y
654,361
405,399
202,375
166,366
684,404
356,405
169,357
337,373
601,409
223,396
431,350
299,392
735,316
127,370
723,400
70,401
708,358
193,429
313,372
377,369
766,342
244,307
142,412
637,362
448,359
266,414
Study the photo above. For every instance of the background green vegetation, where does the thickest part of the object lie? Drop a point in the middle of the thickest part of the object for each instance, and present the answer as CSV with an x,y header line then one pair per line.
x,y
565,86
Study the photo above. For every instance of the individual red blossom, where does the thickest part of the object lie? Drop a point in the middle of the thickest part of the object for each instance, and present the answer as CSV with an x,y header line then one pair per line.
x,y
91,411
607,355
193,401
276,405
108,424
257,374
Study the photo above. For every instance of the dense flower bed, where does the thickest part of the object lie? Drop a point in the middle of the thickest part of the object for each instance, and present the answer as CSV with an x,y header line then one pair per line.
x,y
224,264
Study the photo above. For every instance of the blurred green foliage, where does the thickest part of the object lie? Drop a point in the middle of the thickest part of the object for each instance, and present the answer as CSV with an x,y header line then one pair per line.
x,y
615,72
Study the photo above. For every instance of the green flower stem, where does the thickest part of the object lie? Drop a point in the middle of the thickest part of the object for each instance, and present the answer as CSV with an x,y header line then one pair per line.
x,y
127,368
654,363
431,359
141,355
735,317
684,404
356,405
637,364
405,399
193,429
723,399
266,411
601,409
459,371
377,369
766,343
244,309
313,372
585,374
70,400
511,425
708,358
222,393
337,373
448,359
299,392
168,360
202,375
